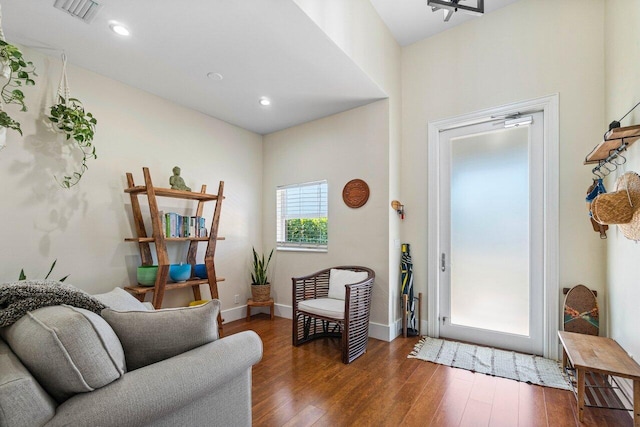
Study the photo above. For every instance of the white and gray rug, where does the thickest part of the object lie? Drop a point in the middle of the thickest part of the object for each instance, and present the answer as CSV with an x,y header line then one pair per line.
x,y
500,363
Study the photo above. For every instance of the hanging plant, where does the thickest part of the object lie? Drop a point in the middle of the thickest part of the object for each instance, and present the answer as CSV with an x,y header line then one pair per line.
x,y
18,73
70,118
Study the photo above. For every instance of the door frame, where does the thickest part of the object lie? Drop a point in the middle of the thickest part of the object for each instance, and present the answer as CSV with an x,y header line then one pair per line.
x,y
549,106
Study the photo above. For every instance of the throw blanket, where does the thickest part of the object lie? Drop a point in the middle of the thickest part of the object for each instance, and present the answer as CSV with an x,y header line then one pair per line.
x,y
17,298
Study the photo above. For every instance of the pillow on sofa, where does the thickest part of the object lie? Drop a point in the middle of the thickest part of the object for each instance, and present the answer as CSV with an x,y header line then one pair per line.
x,y
151,336
119,299
338,278
68,350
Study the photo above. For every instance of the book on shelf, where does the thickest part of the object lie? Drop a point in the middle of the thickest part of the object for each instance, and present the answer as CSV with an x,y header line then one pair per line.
x,y
176,225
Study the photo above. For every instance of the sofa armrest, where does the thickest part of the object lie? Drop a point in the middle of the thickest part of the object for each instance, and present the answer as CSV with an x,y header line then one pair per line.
x,y
147,394
23,402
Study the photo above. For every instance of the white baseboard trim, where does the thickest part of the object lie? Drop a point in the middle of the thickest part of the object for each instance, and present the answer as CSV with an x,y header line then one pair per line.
x,y
376,330
235,313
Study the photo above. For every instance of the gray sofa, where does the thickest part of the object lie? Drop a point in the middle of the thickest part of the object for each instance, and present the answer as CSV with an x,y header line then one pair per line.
x,y
65,366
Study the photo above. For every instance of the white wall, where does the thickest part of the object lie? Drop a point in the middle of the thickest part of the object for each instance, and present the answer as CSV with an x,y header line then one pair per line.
x,y
622,93
529,49
356,28
84,227
337,148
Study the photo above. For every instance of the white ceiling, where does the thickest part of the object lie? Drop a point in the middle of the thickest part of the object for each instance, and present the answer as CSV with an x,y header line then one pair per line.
x,y
261,48
413,20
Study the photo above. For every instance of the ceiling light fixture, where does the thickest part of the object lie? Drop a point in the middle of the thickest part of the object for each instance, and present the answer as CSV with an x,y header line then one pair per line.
x,y
451,6
119,29
264,101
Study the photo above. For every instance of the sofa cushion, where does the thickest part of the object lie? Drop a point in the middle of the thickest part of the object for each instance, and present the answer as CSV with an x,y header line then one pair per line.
x,y
338,278
67,349
23,402
119,299
327,307
151,336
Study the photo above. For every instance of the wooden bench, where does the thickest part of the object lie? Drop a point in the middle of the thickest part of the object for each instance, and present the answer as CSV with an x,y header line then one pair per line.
x,y
596,360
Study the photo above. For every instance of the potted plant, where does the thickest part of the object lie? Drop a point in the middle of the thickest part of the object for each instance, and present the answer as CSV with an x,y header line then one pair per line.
x,y
260,287
70,118
16,72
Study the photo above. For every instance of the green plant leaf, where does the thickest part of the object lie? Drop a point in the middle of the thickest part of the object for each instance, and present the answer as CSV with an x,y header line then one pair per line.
x,y
51,269
22,275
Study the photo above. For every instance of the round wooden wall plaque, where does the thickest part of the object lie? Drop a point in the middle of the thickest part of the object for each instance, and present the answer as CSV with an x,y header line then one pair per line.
x,y
355,193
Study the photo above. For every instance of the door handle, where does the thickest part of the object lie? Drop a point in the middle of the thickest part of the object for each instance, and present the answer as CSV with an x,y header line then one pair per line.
x,y
443,263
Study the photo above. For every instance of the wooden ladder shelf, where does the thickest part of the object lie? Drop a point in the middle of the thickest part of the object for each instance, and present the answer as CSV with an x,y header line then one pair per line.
x,y
160,241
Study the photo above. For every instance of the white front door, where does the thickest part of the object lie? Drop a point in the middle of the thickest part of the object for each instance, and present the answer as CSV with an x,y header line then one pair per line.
x,y
491,234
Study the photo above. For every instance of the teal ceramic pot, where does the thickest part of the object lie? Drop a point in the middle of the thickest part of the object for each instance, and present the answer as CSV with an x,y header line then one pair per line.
x,y
200,270
147,275
180,272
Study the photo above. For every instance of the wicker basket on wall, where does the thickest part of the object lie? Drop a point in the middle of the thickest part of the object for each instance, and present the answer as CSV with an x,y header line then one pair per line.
x,y
261,292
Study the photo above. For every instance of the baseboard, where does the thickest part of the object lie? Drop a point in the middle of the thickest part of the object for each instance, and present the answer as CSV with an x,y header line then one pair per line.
x,y
376,330
398,327
235,313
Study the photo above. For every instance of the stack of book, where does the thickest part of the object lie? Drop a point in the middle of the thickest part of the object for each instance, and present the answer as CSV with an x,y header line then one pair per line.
x,y
176,225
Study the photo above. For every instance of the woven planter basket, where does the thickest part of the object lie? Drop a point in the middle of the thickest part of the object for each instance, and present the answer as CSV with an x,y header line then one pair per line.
x,y
261,292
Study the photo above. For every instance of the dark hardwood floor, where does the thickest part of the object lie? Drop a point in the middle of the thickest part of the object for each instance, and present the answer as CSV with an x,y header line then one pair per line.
x,y
309,385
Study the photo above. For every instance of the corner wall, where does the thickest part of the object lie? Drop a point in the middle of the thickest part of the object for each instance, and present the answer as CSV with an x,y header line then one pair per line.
x,y
622,43
84,227
337,148
356,28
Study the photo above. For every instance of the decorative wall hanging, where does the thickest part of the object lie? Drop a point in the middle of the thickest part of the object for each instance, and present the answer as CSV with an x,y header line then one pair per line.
x,y
69,117
355,193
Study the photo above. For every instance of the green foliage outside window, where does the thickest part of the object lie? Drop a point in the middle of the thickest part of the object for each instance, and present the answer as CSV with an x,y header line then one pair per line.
x,y
307,230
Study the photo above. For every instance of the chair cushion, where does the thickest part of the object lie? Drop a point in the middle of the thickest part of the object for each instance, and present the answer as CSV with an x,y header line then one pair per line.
x,y
151,336
327,307
338,278
68,350
119,299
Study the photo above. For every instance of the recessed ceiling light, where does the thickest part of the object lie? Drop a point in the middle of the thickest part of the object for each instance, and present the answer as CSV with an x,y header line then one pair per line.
x,y
264,101
215,76
119,29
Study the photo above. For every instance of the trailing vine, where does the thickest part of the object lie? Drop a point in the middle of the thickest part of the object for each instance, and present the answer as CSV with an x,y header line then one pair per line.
x,y
18,73
70,118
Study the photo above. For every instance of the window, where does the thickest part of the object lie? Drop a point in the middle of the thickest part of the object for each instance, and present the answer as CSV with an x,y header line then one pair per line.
x,y
302,216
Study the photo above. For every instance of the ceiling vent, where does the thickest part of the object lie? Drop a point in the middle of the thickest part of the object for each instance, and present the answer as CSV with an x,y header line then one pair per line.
x,y
84,10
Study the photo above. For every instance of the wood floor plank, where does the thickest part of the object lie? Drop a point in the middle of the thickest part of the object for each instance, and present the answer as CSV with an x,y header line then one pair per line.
x,y
476,414
307,417
309,385
505,403
453,403
560,407
532,411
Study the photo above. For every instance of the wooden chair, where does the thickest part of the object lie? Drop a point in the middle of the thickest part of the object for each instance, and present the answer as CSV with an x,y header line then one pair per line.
x,y
334,302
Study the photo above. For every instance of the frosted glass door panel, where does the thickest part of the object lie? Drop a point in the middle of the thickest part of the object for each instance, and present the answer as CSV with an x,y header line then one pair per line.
x,y
490,230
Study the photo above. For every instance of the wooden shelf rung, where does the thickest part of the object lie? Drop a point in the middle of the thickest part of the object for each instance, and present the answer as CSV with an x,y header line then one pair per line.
x,y
138,290
613,140
170,239
176,194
